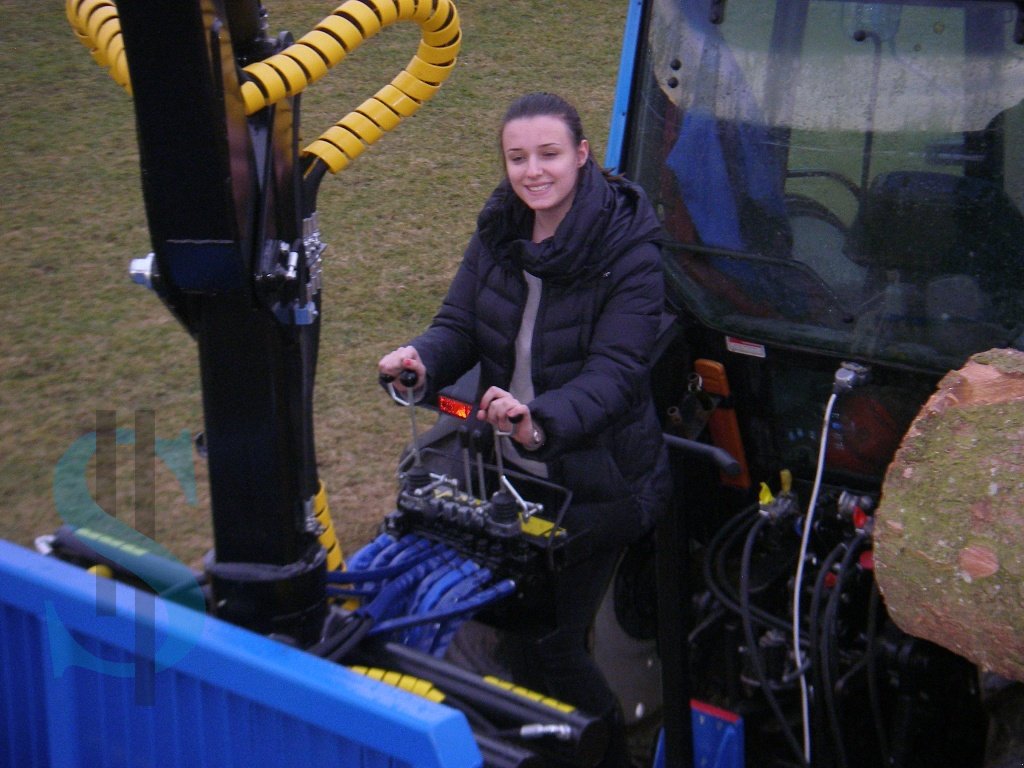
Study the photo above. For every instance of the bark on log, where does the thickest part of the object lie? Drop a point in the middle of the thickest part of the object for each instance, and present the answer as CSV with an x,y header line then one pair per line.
x,y
949,531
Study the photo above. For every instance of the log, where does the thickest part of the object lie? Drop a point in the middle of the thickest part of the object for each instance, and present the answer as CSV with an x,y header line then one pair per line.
x,y
949,529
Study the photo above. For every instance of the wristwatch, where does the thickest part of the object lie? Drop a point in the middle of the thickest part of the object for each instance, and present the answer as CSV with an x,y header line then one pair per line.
x,y
536,438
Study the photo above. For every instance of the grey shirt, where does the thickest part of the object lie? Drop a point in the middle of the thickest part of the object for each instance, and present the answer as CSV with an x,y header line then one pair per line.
x,y
521,387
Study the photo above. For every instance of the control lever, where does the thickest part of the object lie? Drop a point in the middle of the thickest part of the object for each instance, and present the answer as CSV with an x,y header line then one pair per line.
x,y
408,379
499,461
467,472
475,445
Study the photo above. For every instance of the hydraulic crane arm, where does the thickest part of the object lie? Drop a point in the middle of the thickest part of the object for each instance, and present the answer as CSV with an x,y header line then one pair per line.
x,y
231,206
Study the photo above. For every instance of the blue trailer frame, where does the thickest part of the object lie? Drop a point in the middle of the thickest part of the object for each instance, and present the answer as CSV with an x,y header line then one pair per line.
x,y
70,667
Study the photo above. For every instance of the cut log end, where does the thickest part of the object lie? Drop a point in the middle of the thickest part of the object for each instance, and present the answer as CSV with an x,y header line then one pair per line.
x,y
949,533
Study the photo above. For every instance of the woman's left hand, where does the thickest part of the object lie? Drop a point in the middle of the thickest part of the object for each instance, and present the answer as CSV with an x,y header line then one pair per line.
x,y
506,414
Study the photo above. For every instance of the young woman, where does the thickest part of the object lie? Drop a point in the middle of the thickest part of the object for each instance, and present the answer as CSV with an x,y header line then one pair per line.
x,y
558,298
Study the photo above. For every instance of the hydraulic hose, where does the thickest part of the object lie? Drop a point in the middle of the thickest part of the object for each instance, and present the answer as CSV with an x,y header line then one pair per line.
x,y
714,568
446,631
394,596
752,646
365,554
431,578
368,590
483,598
400,565
287,73
814,652
421,637
392,550
827,660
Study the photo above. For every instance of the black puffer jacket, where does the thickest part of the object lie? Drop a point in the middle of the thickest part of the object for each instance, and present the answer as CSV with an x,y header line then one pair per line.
x,y
599,314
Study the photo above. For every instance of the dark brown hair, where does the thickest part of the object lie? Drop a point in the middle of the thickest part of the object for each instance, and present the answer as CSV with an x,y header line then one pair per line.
x,y
544,104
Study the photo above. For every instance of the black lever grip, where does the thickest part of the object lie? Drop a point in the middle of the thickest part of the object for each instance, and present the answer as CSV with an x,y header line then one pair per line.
x,y
407,377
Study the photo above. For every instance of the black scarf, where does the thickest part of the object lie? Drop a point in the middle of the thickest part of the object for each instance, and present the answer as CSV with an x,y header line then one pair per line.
x,y
608,217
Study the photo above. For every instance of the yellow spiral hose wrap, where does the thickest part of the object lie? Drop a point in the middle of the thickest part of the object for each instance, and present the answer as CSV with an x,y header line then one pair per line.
x,y
287,73
327,537
98,28
416,685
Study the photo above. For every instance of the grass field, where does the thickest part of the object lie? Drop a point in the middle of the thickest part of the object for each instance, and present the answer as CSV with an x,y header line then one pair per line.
x,y
80,338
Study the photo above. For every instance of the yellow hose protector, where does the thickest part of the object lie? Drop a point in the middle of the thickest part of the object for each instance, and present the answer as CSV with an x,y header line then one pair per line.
x,y
287,73
98,28
526,693
408,683
327,538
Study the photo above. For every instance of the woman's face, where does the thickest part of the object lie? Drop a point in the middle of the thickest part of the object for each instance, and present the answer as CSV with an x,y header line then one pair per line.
x,y
542,162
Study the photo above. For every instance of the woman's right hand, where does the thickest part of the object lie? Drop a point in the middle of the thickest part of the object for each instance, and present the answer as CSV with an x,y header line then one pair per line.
x,y
402,359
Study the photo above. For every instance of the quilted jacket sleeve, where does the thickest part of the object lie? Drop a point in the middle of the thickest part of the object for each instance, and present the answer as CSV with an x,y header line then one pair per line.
x,y
448,347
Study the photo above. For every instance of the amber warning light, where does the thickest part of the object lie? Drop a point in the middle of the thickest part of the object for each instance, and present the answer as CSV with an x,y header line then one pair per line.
x,y
452,407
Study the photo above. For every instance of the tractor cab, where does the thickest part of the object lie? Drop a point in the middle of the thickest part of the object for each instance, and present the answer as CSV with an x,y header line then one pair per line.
x,y
838,177
838,181
841,186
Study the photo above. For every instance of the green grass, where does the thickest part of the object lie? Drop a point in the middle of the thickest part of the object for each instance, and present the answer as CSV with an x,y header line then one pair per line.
x,y
79,337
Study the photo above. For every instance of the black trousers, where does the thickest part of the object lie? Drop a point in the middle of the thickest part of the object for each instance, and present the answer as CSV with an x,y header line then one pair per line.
x,y
559,663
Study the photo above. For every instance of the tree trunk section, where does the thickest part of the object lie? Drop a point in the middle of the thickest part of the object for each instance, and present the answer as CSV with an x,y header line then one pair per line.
x,y
949,531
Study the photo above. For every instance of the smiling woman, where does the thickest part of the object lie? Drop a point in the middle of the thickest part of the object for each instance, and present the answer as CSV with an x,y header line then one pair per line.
x,y
558,299
543,157
80,337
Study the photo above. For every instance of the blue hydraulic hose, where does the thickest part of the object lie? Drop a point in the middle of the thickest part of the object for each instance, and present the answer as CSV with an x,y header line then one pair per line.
x,y
446,582
429,599
460,592
391,551
428,593
405,560
466,587
368,589
486,597
395,593
411,551
361,558
424,586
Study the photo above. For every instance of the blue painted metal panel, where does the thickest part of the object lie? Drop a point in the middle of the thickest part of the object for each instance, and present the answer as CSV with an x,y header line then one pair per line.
x,y
115,677
717,738
624,86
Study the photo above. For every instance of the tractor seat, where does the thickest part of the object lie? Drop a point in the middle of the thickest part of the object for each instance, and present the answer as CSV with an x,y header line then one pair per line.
x,y
927,224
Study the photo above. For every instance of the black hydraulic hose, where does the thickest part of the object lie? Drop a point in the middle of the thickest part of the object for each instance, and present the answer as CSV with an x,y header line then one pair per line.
x,y
814,634
752,647
828,636
503,754
587,734
858,666
313,174
716,581
714,569
874,697
352,641
342,641
476,719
